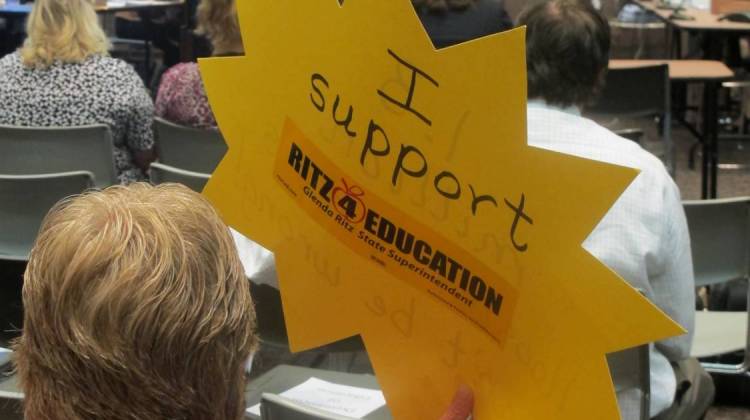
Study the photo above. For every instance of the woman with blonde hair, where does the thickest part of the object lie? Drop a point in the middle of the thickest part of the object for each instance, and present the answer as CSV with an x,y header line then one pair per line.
x,y
62,76
182,97
136,306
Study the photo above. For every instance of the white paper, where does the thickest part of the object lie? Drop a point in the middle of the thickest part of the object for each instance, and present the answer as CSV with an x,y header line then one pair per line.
x,y
343,400
259,263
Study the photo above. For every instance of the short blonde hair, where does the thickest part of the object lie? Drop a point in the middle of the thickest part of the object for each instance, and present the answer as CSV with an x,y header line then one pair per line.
x,y
62,30
217,20
136,306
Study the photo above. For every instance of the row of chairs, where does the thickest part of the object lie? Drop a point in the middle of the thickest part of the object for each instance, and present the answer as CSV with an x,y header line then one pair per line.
x,y
188,157
37,150
40,166
720,240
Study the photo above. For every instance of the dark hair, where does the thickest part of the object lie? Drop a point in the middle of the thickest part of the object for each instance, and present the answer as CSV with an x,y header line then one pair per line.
x,y
443,5
567,51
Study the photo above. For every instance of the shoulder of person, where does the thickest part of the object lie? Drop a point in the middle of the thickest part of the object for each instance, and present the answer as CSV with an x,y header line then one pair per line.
x,y
651,168
114,67
10,60
182,70
629,153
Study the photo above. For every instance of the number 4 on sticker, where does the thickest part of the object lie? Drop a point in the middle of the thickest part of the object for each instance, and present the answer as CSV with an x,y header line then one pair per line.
x,y
348,202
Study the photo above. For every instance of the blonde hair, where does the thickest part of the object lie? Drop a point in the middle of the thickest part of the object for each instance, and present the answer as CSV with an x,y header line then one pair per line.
x,y
217,20
136,306
62,30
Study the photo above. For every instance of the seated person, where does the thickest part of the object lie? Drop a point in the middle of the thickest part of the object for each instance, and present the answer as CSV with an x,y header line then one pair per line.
x,y
450,22
62,76
137,307
182,97
644,237
159,27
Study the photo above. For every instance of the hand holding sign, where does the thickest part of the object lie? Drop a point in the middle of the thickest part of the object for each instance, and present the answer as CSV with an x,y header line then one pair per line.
x,y
395,186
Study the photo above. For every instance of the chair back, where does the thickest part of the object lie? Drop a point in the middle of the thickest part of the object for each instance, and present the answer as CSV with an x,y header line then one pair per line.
x,y
634,92
630,370
11,408
161,173
270,316
719,237
187,148
25,200
272,328
44,150
276,407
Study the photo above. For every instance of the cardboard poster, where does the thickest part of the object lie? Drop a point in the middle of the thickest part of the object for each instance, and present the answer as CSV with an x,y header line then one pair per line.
x,y
395,186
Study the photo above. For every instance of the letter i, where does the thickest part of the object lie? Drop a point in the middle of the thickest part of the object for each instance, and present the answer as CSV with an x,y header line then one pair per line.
x,y
305,167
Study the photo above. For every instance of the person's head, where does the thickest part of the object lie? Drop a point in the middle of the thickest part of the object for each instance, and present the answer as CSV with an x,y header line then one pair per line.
x,y
135,306
443,5
217,21
67,31
567,51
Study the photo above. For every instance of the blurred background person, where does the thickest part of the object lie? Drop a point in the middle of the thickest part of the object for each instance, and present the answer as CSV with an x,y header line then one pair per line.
x,y
450,22
182,97
62,76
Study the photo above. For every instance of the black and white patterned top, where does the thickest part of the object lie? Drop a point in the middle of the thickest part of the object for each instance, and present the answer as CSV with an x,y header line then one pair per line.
x,y
98,90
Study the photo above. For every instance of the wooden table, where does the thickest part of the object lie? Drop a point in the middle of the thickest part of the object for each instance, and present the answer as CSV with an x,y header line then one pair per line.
x,y
711,26
711,74
683,70
702,20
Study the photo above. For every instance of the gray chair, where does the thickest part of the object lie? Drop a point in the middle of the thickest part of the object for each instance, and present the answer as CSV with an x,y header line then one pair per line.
x,y
276,407
187,148
720,239
631,374
42,150
338,356
632,93
25,200
11,398
637,34
11,408
161,173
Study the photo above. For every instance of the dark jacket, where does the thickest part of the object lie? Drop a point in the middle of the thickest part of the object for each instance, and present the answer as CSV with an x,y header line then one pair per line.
x,y
485,17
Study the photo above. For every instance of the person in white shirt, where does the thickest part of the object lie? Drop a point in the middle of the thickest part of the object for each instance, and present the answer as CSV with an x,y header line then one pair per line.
x,y
644,237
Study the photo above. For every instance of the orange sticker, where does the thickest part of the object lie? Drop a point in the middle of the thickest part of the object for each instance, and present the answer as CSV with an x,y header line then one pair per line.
x,y
390,239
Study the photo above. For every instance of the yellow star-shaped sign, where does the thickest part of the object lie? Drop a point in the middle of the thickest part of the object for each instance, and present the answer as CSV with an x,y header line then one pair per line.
x,y
396,188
